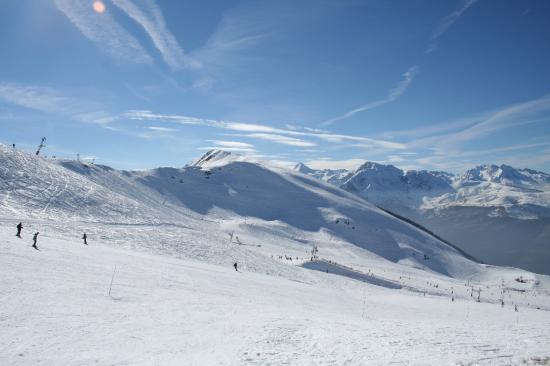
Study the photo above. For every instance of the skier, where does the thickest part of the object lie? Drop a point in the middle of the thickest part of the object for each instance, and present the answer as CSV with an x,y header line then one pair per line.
x,y
19,227
35,238
84,237
235,265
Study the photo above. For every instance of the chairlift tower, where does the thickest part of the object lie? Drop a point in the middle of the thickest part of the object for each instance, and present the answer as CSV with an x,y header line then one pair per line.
x,y
40,146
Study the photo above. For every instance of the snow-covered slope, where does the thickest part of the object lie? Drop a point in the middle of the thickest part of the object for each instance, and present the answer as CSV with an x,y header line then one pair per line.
x,y
223,190
377,282
69,304
497,213
219,189
38,188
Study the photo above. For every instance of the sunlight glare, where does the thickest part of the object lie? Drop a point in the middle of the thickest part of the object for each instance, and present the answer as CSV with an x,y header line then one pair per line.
x,y
99,7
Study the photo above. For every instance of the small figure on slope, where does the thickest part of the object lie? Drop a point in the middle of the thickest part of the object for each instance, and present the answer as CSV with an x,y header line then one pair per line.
x,y
19,227
35,238
84,237
235,265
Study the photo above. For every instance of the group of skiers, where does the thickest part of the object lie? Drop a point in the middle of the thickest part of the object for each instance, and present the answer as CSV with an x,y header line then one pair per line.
x,y
35,236
84,237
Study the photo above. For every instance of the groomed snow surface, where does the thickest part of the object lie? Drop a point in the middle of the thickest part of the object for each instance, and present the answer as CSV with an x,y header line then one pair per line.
x,y
167,311
156,285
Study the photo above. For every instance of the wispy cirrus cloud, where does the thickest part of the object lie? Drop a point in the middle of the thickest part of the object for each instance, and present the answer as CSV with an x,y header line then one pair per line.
x,y
452,134
232,144
243,27
458,161
302,128
393,95
161,129
446,23
440,128
104,31
145,115
37,97
241,30
235,146
327,163
259,129
279,139
448,146
516,147
533,111
542,158
233,149
360,141
50,100
149,16
409,75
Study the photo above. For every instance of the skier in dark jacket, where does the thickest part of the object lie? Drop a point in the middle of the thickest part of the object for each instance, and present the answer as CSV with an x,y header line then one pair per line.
x,y
235,265
35,238
84,237
19,227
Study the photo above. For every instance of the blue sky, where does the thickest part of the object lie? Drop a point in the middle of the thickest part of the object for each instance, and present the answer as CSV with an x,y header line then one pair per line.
x,y
423,84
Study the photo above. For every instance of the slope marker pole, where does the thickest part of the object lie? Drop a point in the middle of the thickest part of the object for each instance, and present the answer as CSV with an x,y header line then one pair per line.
x,y
112,279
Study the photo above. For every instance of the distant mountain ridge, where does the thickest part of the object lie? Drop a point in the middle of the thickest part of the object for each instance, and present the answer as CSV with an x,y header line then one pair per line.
x,y
503,174
507,175
373,180
498,213
332,176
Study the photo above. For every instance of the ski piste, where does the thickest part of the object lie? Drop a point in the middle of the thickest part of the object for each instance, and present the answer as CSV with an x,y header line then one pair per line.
x,y
393,292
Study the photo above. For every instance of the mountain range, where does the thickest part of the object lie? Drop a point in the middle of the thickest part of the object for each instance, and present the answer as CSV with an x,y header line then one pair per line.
x,y
179,260
473,217
497,213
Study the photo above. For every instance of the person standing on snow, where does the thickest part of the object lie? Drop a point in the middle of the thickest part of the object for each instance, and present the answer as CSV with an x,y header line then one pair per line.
x,y
84,237
235,265
35,238
19,227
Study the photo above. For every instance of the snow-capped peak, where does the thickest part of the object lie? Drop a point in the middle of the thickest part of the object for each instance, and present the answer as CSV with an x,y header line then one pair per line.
x,y
302,168
379,177
370,165
505,174
212,156
332,176
423,179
